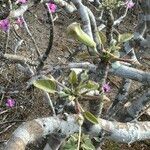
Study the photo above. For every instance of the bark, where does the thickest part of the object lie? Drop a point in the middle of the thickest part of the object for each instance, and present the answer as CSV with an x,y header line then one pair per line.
x,y
129,72
94,29
120,98
32,130
118,69
96,106
132,111
143,27
24,7
84,17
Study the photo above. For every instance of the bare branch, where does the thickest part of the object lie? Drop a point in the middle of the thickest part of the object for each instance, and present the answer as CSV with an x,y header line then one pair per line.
x,y
135,108
120,98
32,130
129,72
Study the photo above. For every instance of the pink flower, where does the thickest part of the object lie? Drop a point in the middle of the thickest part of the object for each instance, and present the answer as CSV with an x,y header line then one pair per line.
x,y
51,7
21,1
10,102
4,25
106,88
19,21
129,4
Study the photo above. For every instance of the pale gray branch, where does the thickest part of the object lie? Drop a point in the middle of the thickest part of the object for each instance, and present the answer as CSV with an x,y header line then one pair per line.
x,y
67,125
129,72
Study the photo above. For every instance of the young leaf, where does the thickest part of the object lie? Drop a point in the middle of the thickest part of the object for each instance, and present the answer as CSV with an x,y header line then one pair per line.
x,y
46,85
91,85
75,30
73,77
90,117
125,37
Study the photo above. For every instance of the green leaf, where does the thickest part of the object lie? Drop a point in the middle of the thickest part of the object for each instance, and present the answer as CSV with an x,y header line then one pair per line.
x,y
63,94
75,30
91,85
114,48
87,143
87,147
102,37
90,117
71,98
83,56
125,37
73,77
84,76
71,144
47,85
67,91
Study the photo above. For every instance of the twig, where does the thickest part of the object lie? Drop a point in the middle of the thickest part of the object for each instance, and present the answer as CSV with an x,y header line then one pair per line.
x,y
45,56
17,58
33,40
6,122
5,111
18,45
2,96
132,61
116,22
7,39
50,103
7,128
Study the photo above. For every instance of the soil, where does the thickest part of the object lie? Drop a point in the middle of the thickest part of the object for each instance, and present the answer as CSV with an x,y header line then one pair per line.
x,y
30,104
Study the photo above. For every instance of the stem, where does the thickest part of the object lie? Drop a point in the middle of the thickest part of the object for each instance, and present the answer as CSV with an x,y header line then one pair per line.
x,y
79,139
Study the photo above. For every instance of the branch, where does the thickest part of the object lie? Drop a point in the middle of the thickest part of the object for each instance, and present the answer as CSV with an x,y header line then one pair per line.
x,y
68,7
116,22
120,98
84,17
24,7
32,130
129,50
20,11
136,107
83,11
123,132
143,25
117,69
17,59
83,65
129,72
94,28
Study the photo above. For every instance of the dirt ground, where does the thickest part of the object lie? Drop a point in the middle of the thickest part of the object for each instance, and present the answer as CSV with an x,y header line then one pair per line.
x,y
31,104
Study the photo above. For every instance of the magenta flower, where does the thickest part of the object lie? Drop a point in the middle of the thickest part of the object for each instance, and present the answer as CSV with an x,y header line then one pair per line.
x,y
129,4
10,102
51,7
21,1
4,25
19,21
106,88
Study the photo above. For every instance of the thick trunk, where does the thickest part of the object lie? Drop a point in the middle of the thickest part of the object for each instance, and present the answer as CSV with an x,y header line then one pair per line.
x,y
32,130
